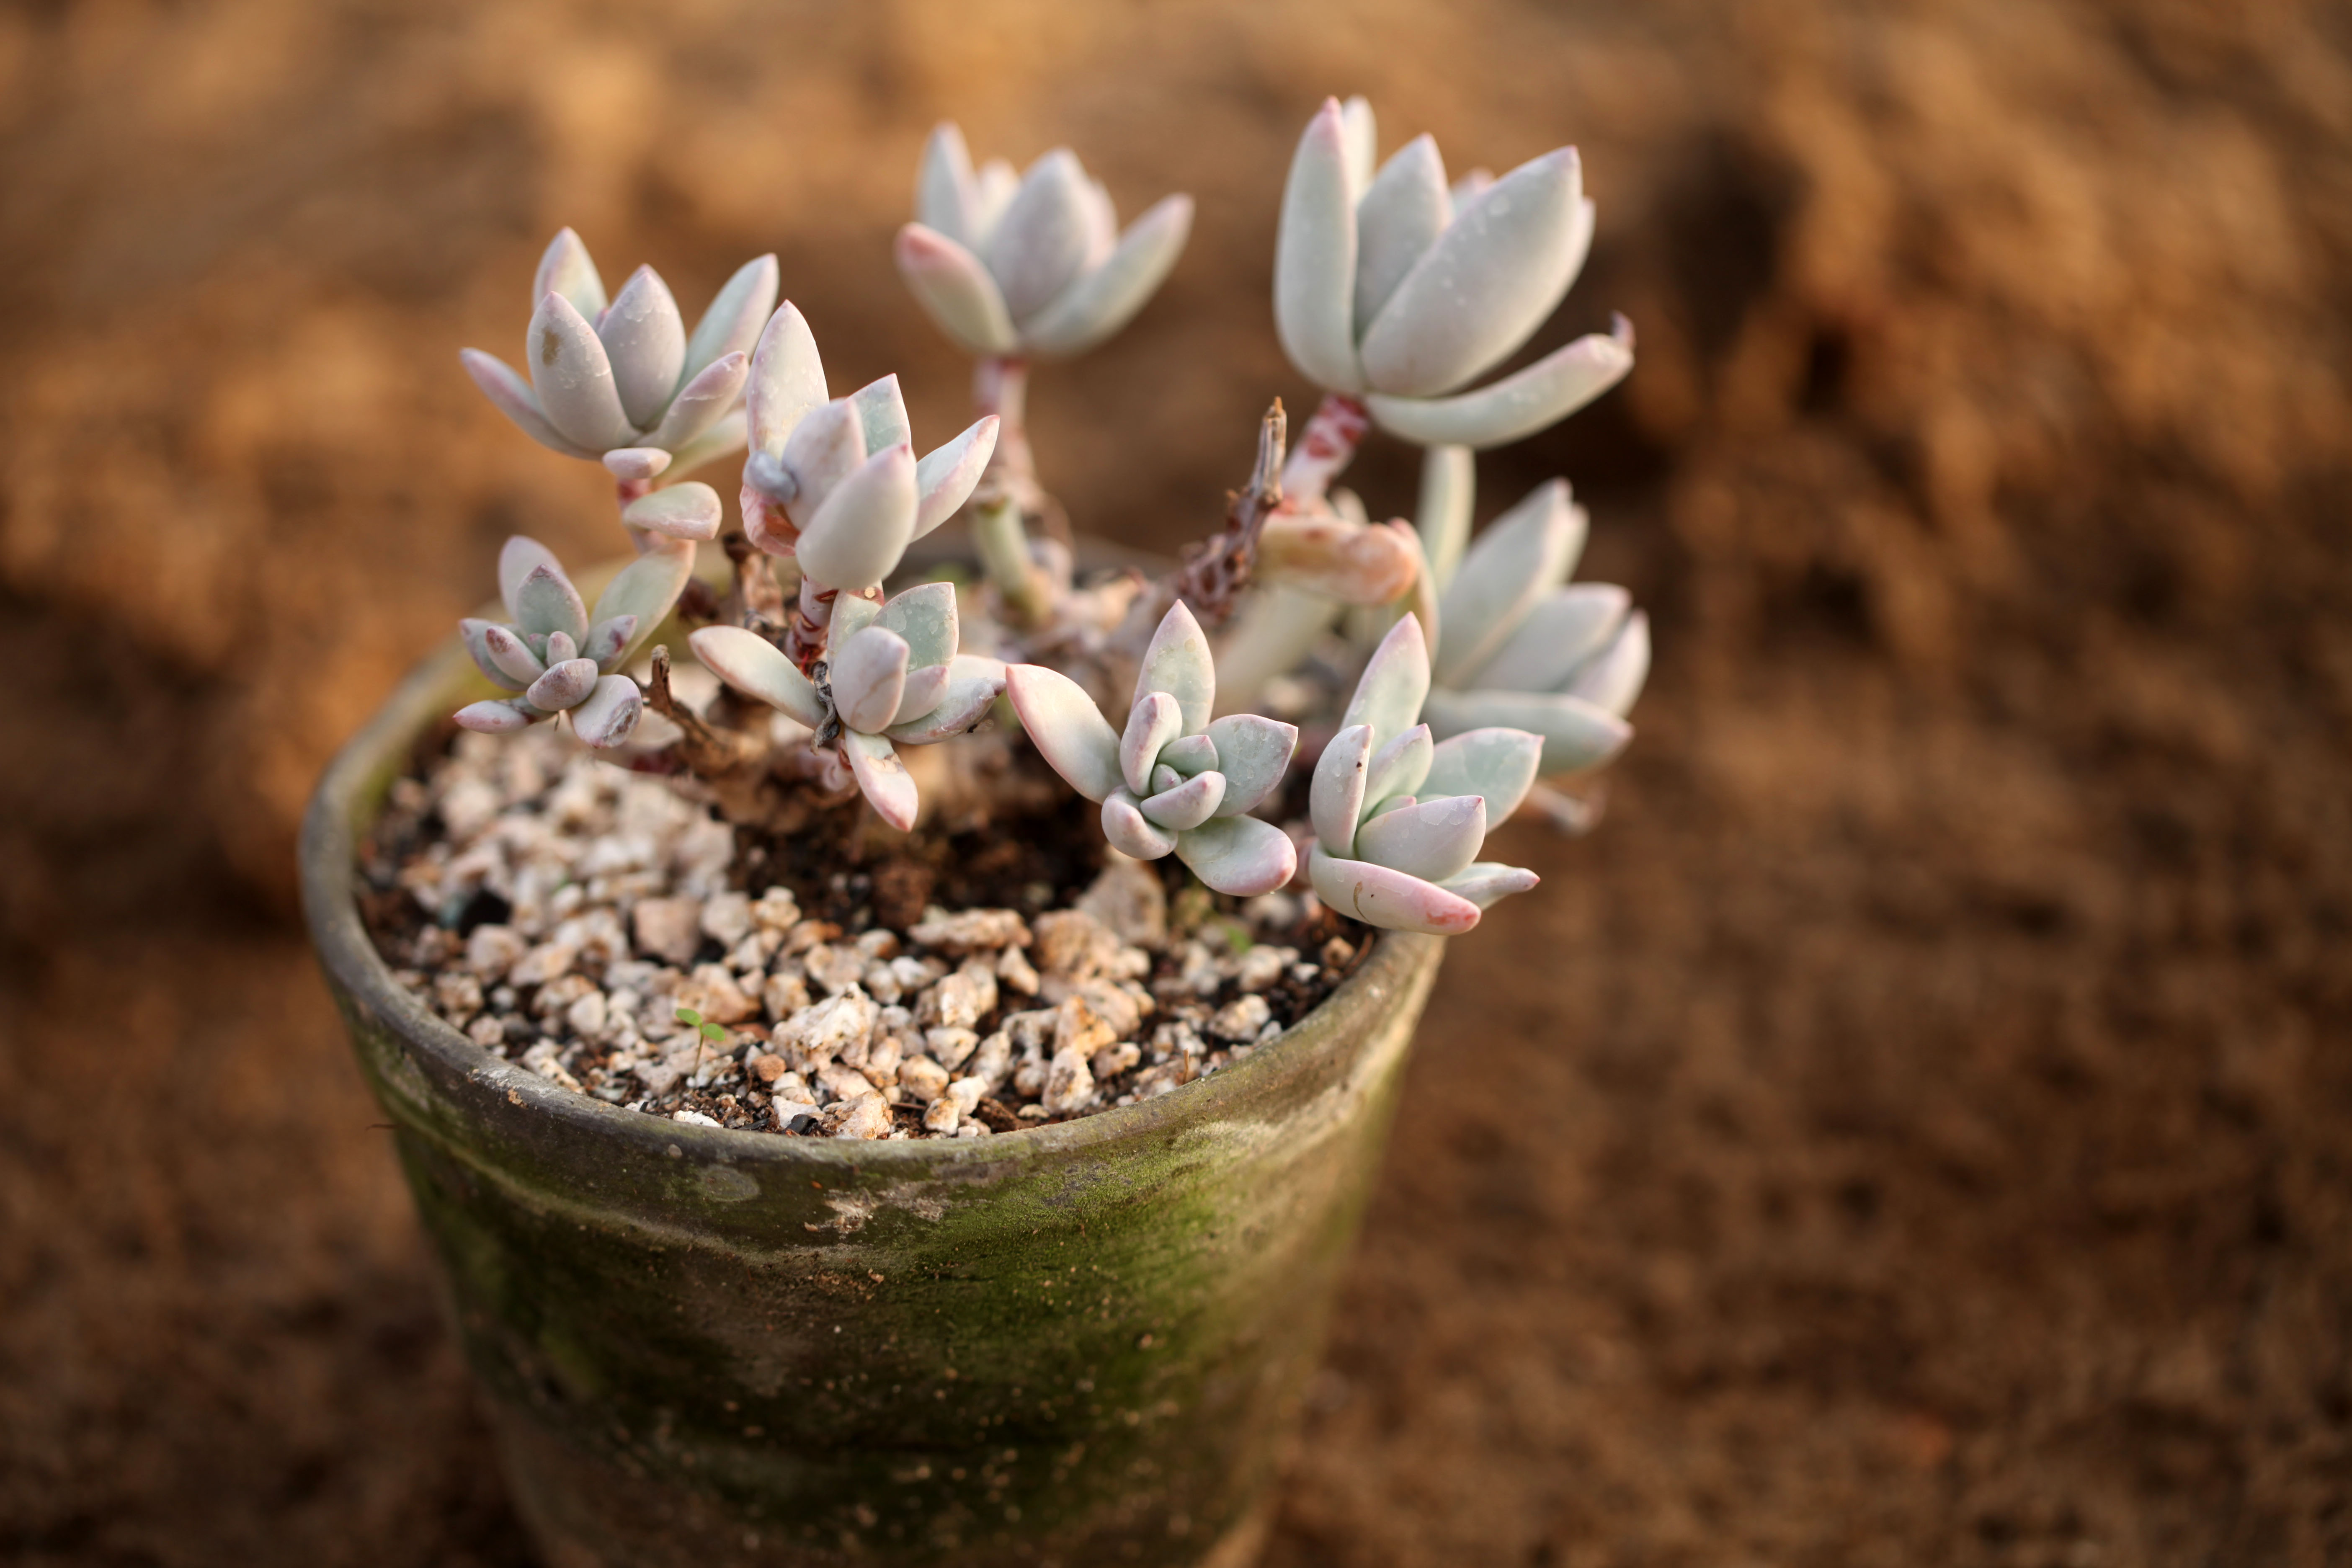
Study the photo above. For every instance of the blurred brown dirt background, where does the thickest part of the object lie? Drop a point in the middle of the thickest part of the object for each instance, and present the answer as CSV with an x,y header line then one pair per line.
x,y
1914,1131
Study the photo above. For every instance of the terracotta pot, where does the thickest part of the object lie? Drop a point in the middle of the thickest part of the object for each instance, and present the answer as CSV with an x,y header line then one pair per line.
x,y
1079,1344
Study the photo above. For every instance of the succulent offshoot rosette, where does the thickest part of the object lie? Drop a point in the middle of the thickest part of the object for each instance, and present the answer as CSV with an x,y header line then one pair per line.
x,y
559,655
892,677
621,382
1175,781
1400,817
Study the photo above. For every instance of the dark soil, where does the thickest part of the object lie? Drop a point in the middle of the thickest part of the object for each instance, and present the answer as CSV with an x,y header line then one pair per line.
x,y
1913,1130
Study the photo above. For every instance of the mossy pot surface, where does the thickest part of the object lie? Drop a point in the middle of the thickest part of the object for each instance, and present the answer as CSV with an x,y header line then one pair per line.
x,y
1079,1344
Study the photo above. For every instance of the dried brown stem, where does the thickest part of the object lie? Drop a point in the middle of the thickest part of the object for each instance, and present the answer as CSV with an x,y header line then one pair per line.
x,y
1216,571
709,753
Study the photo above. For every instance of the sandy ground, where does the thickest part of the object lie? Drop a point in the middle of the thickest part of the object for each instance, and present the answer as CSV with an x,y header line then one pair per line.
x,y
1914,1131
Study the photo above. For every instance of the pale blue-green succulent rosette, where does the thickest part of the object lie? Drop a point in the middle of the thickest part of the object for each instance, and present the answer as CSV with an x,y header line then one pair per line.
x,y
560,656
1399,818
1518,642
1031,264
1394,288
621,381
833,482
1175,781
892,677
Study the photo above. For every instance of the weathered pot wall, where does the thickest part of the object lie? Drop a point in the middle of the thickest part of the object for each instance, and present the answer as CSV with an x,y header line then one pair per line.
x,y
1077,1345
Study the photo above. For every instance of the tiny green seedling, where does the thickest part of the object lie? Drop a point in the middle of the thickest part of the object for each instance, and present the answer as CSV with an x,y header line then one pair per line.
x,y
711,1033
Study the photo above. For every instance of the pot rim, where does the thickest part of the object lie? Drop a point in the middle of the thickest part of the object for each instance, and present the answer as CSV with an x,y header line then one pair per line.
x,y
352,786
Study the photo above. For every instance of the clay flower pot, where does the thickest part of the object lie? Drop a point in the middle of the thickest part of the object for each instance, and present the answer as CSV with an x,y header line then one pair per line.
x,y
1078,1344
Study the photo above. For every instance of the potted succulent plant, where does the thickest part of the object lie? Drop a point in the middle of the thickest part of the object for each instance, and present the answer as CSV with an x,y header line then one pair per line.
x,y
901,1088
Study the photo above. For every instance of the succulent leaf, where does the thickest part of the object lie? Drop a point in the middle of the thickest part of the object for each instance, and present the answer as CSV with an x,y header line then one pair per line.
x,y
946,476
1190,754
645,339
1105,298
1129,831
881,411
1187,804
490,655
1430,839
689,510
1040,243
1178,662
1526,553
1614,676
1497,764
1390,692
925,616
546,602
1164,778
1561,630
1486,285
889,788
630,464
501,716
573,379
515,399
517,558
1315,257
1335,795
1576,734
1239,855
608,639
1487,882
1395,900
646,588
706,399
857,537
1400,765
1520,404
564,684
824,448
925,688
974,686
1253,752
868,673
731,325
756,668
1399,219
1068,730
944,181
954,289
1336,558
1156,718
787,380
564,269
851,615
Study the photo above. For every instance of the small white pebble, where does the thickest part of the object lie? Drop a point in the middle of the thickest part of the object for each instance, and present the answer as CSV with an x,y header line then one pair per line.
x,y
942,1117
492,949
951,1046
1240,1020
923,1079
585,1017
1013,967
727,918
1069,1083
668,928
867,1118
694,1119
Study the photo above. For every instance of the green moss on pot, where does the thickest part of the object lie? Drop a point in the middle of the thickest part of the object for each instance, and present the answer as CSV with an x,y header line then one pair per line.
x,y
1077,1345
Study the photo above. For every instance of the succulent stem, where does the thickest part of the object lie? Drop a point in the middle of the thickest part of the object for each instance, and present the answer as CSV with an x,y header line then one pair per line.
x,y
1215,573
1003,548
1324,449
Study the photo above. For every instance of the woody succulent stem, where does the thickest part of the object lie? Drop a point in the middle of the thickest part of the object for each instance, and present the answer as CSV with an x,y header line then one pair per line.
x,y
1009,494
1325,448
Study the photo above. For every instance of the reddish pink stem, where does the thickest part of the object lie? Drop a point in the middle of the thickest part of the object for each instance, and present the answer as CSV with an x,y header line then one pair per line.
x,y
1324,448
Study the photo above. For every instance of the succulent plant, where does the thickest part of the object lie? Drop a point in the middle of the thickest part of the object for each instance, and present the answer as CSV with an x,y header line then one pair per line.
x,y
1175,779
1034,265
1519,644
1400,818
836,482
1393,288
621,382
559,655
892,677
